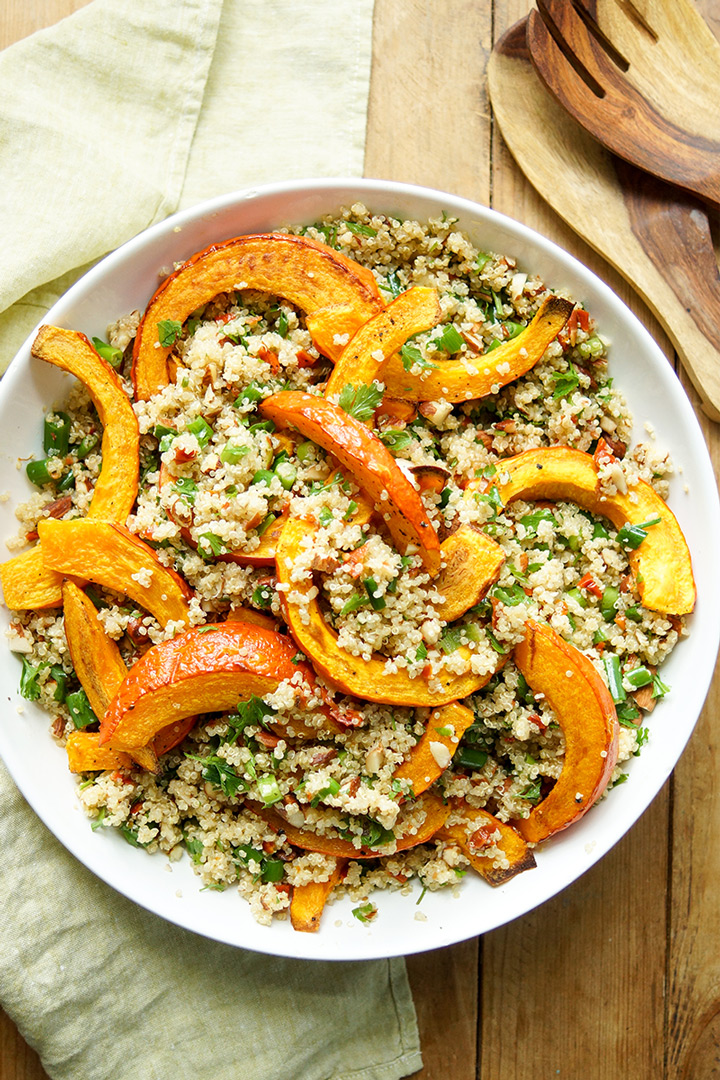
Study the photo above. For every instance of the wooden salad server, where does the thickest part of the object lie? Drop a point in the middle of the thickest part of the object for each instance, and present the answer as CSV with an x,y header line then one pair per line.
x,y
656,236
641,76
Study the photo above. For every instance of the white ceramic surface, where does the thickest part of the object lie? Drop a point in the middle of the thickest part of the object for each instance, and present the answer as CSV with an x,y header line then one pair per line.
x,y
125,280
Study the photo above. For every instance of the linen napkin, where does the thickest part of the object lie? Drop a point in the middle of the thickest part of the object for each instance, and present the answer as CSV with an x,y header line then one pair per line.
x,y
109,121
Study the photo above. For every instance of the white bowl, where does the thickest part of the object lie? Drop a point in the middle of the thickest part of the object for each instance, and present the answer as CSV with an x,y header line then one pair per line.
x,y
125,280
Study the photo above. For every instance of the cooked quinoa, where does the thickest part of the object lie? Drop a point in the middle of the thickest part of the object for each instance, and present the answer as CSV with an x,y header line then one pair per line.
x,y
215,477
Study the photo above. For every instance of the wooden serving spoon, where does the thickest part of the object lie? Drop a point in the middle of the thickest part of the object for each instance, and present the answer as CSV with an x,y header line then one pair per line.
x,y
643,77
656,236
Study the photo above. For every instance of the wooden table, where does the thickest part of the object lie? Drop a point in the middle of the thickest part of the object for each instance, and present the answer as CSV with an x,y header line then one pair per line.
x,y
619,976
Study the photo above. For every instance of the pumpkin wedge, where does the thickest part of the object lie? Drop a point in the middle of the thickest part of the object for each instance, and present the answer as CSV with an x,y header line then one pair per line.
x,y
209,669
585,711
457,379
479,829
365,679
101,670
85,754
112,556
471,564
661,564
116,489
308,901
369,463
435,813
26,581
432,754
410,313
306,273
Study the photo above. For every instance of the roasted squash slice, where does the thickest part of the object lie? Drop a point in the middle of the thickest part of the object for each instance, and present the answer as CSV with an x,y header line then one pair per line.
x,y
661,564
85,754
308,901
412,312
209,669
26,581
368,462
462,379
365,679
112,556
471,564
101,670
306,273
585,711
479,829
116,489
432,754
435,815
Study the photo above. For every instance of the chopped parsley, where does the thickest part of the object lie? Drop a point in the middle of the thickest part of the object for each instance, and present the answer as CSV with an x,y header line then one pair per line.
x,y
169,330
361,401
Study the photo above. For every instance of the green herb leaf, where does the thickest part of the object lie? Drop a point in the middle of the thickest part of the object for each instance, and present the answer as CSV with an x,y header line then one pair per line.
x,y
169,330
566,382
361,401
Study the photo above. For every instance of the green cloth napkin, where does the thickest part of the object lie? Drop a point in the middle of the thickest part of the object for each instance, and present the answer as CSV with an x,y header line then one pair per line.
x,y
111,120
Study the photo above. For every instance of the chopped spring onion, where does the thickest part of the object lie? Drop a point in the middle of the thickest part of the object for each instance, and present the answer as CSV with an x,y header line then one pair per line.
x,y
109,353
611,663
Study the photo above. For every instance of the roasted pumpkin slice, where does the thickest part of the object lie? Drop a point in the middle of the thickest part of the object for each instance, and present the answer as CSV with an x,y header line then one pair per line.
x,y
368,461
458,379
112,556
661,563
475,830
206,670
26,581
432,754
308,901
584,709
85,754
365,679
412,312
116,488
101,669
306,273
434,815
471,564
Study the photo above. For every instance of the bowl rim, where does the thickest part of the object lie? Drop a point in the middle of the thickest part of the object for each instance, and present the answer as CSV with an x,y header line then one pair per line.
x,y
370,947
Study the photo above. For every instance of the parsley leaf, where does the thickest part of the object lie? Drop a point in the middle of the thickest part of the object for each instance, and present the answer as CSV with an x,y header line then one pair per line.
x,y
169,330
361,401
566,382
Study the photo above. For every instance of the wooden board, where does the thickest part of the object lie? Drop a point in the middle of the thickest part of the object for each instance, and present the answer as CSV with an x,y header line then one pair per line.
x,y
619,975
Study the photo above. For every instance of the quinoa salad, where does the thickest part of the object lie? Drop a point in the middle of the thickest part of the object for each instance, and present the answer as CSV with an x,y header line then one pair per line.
x,y
330,594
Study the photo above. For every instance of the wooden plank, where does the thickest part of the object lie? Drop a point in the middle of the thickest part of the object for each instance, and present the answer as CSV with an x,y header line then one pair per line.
x,y
693,977
428,115
17,1060
428,124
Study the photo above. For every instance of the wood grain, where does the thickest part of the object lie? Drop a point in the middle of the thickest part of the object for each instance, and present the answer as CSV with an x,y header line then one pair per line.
x,y
619,976
673,134
635,220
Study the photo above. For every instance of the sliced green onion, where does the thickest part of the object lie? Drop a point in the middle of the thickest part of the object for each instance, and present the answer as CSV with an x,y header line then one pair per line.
x,y
253,392
578,597
639,676
613,673
109,353
201,430
269,789
56,435
286,474
608,603
37,473
86,446
305,452
266,523
232,452
262,425
281,326
632,536
450,341
377,600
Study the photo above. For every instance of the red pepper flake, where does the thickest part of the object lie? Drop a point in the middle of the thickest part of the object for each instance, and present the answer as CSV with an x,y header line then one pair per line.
x,y
590,585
